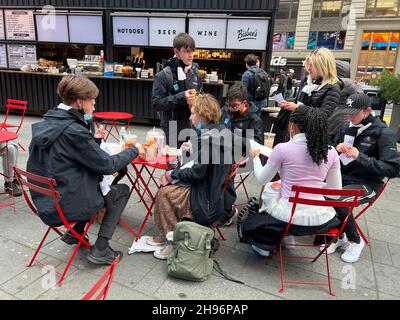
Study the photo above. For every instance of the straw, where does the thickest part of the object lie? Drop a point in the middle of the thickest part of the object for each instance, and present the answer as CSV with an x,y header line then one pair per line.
x,y
272,127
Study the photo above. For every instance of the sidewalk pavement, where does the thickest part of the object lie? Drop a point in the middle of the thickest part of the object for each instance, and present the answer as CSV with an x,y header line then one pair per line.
x,y
140,276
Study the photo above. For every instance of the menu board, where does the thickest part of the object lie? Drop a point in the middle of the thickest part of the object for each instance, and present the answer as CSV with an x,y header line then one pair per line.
x,y
3,56
247,34
21,54
52,28
208,33
20,25
133,31
164,30
86,29
2,36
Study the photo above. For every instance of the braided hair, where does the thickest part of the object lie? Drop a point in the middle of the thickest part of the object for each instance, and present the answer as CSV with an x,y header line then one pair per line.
x,y
314,124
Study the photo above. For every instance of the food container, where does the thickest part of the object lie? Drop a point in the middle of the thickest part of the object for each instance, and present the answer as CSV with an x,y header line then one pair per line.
x,y
150,152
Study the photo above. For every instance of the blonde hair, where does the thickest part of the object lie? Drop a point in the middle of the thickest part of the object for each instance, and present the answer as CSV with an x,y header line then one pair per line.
x,y
324,64
72,88
206,106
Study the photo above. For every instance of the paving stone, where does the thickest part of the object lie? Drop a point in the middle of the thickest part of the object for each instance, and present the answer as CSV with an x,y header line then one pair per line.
x,y
388,279
380,252
394,250
6,296
391,219
384,233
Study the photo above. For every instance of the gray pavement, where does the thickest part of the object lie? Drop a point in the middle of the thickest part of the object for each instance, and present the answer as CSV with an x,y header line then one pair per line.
x,y
140,276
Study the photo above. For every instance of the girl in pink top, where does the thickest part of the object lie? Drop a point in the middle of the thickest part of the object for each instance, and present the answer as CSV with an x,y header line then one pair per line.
x,y
306,160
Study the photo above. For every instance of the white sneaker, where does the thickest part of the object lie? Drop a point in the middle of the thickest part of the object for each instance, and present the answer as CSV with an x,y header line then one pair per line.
x,y
353,252
164,253
340,243
261,252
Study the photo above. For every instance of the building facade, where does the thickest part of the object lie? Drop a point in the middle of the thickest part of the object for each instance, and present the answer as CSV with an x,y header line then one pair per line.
x,y
364,32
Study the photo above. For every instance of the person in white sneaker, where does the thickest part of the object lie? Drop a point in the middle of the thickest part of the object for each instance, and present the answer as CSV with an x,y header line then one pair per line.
x,y
368,147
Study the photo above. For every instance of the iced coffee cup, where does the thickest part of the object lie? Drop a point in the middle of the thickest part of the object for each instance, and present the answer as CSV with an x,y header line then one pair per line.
x,y
130,140
269,139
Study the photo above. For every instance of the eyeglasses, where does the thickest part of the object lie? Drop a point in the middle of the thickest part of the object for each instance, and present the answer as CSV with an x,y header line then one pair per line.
x,y
234,105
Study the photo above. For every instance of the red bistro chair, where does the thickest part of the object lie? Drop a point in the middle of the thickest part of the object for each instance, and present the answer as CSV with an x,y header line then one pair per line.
x,y
106,278
366,208
46,186
14,105
334,233
231,175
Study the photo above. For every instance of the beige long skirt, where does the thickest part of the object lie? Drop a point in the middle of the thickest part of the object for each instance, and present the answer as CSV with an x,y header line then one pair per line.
x,y
172,204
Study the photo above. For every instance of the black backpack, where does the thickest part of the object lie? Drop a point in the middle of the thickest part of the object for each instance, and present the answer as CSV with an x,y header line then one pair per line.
x,y
262,84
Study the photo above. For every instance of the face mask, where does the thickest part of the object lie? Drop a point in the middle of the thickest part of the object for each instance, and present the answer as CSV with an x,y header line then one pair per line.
x,y
88,117
235,114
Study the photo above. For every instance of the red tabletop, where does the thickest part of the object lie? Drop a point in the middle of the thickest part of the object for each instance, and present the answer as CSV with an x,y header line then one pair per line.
x,y
6,136
158,163
113,115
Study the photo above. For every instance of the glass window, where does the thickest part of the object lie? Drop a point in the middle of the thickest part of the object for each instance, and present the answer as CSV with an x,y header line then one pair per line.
x,y
317,8
394,40
331,8
366,40
340,40
380,40
370,8
386,8
283,11
291,40
326,39
312,40
279,41
294,11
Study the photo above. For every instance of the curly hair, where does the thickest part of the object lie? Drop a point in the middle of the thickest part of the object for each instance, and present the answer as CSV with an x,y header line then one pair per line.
x,y
206,106
314,124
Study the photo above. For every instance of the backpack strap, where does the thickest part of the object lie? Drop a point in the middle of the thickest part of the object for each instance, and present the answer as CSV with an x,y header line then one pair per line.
x,y
170,78
218,268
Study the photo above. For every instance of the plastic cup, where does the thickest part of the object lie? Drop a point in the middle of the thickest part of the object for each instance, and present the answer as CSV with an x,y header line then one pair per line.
x,y
269,139
130,140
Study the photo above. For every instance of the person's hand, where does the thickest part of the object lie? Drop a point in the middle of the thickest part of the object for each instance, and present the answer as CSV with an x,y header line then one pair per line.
x,y
101,133
190,96
255,152
342,147
142,152
352,152
187,146
163,180
291,106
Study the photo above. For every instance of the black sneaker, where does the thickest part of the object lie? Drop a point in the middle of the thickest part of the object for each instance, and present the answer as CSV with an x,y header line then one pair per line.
x,y
106,256
70,240
13,189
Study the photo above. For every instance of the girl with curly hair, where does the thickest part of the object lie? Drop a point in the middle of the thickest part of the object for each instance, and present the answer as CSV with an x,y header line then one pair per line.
x,y
306,160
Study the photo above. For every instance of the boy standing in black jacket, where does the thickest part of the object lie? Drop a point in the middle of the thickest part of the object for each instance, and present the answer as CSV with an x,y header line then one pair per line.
x,y
368,155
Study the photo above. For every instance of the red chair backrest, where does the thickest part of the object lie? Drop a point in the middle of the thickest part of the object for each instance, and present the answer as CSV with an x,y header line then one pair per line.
x,y
16,105
45,186
233,172
324,203
370,204
106,279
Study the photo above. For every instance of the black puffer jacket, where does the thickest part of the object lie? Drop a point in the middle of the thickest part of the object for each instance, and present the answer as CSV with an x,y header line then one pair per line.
x,y
63,148
206,179
326,99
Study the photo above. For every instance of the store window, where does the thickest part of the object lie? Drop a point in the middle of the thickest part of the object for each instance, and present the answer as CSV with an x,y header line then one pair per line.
x,y
382,8
283,40
328,39
288,11
379,53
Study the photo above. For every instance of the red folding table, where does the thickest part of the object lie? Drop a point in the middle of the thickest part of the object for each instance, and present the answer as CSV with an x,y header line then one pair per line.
x,y
142,186
110,120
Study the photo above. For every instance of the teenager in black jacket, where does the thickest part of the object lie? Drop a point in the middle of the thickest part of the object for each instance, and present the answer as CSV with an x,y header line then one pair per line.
x,y
322,90
194,192
369,154
63,148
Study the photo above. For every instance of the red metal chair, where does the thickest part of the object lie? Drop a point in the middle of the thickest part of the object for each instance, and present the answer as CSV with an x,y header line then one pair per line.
x,y
46,186
106,278
366,208
231,175
334,233
14,105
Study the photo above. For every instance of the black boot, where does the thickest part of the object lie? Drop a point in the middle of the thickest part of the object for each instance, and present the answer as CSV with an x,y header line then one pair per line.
x,y
13,189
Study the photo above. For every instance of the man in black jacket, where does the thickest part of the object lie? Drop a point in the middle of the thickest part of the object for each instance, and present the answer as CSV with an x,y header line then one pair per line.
x,y
239,116
368,155
63,148
175,87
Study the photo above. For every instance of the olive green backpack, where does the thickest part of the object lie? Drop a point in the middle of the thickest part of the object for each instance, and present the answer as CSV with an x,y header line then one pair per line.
x,y
194,246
